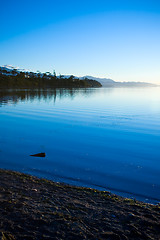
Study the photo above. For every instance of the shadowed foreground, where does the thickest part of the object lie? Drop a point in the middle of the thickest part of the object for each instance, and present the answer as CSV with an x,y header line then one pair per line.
x,y
32,208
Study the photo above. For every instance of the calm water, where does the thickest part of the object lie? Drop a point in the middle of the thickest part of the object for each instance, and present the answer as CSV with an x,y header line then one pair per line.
x,y
107,139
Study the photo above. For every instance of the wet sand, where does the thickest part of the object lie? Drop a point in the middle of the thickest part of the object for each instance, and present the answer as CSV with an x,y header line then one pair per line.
x,y
33,208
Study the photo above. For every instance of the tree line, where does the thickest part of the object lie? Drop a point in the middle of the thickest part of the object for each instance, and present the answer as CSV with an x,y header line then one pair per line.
x,y
29,80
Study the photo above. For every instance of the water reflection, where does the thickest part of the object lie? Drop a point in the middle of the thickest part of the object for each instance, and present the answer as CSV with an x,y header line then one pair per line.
x,y
16,96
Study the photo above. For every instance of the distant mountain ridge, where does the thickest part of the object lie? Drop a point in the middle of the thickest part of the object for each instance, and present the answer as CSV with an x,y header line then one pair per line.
x,y
107,82
10,68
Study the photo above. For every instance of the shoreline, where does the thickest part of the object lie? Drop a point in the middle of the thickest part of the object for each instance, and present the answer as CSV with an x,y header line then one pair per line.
x,y
34,208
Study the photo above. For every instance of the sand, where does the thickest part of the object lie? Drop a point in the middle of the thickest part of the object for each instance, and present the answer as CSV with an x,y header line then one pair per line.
x,y
33,208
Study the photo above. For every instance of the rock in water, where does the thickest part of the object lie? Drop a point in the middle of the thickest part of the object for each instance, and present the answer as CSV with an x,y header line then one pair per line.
x,y
38,155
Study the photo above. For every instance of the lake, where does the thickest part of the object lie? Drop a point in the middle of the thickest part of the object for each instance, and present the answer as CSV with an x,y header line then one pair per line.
x,y
106,138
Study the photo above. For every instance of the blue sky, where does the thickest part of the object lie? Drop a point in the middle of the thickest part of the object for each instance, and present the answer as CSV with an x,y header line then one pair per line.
x,y
112,39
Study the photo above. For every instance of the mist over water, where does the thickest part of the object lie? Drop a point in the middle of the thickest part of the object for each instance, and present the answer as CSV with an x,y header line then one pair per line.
x,y
106,138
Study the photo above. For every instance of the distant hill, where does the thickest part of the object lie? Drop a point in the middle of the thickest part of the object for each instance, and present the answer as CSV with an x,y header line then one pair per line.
x,y
134,84
107,82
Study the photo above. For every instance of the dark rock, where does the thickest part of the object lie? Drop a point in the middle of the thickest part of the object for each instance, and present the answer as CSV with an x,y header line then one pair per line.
x,y
38,155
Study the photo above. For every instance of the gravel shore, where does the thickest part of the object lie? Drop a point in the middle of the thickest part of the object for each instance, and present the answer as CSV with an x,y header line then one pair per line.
x,y
33,208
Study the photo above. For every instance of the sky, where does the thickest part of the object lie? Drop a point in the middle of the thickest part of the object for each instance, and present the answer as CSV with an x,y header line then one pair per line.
x,y
112,39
